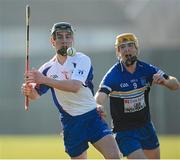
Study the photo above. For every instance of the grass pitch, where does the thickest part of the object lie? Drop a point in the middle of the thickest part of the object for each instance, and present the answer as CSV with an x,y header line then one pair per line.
x,y
52,147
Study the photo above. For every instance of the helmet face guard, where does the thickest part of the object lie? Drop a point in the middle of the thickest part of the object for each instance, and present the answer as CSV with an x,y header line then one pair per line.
x,y
126,38
58,27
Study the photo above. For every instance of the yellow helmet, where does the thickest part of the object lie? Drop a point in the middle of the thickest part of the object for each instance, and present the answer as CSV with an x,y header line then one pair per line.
x,y
126,37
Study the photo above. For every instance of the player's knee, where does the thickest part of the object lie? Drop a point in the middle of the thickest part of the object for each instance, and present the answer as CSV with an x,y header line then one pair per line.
x,y
115,155
138,154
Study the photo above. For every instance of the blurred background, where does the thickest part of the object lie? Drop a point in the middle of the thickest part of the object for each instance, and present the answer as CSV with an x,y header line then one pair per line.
x,y
97,22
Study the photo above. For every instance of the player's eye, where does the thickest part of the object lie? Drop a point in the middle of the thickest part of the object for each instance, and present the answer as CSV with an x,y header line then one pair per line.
x,y
59,37
68,36
122,46
131,44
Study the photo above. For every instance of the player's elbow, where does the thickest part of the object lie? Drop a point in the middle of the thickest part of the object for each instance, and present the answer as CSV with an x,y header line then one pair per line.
x,y
75,89
100,98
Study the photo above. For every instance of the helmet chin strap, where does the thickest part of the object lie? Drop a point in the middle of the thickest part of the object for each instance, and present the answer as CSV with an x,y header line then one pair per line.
x,y
62,51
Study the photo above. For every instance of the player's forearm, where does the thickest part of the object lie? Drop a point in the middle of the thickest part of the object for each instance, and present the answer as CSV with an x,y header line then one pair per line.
x,y
100,98
172,83
64,85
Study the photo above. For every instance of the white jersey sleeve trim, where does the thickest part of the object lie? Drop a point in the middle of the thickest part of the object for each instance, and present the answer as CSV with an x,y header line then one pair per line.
x,y
104,86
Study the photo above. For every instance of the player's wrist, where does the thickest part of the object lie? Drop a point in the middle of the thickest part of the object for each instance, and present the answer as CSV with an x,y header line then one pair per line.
x,y
44,80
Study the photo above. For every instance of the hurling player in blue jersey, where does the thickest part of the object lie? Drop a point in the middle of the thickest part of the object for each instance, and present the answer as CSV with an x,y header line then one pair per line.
x,y
127,83
70,80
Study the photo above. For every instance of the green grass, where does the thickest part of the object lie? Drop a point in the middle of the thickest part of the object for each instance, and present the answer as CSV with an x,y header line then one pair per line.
x,y
51,147
170,147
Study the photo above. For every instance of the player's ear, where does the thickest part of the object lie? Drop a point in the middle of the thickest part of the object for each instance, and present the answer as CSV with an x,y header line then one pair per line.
x,y
117,51
52,41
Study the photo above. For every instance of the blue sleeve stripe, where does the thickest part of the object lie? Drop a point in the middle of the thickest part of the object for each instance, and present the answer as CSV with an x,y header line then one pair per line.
x,y
89,79
41,89
46,70
59,107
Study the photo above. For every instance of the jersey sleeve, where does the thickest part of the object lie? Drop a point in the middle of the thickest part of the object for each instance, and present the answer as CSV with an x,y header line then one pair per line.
x,y
106,83
156,70
41,88
82,69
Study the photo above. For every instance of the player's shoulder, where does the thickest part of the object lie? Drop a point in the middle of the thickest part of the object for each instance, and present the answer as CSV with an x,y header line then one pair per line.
x,y
48,64
144,64
117,67
114,69
81,57
147,67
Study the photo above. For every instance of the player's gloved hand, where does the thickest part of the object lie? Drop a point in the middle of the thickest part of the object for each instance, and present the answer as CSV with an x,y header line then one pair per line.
x,y
101,112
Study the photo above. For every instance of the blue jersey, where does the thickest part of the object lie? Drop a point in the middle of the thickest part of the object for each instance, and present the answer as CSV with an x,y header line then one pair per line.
x,y
129,94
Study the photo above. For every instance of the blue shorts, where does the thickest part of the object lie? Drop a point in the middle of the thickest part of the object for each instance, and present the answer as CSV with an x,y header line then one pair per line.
x,y
140,138
79,130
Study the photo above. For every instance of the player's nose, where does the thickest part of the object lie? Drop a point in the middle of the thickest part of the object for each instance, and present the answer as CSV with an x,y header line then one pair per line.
x,y
128,55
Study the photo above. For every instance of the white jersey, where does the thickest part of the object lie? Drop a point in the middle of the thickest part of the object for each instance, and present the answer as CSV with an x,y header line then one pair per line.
x,y
79,68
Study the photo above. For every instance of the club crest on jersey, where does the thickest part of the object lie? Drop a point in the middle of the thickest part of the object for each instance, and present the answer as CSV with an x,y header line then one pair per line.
x,y
124,85
143,81
81,72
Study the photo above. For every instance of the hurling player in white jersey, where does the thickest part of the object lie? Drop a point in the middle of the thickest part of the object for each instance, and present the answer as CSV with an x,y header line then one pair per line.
x,y
70,80
128,83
